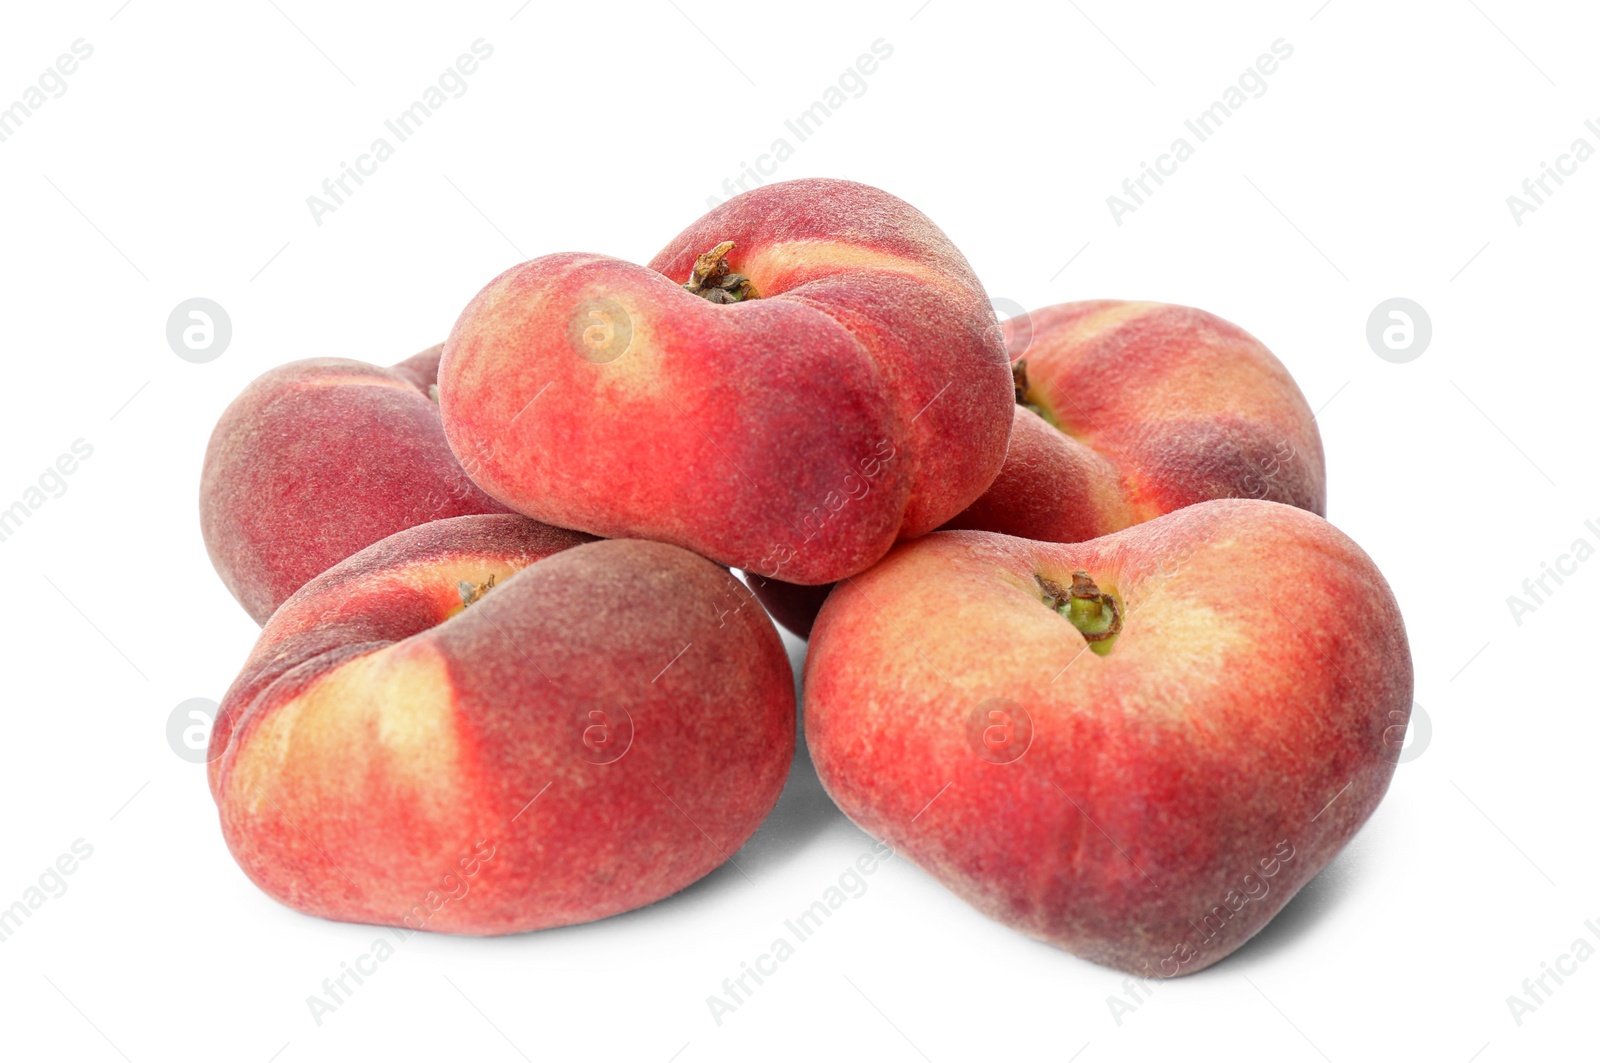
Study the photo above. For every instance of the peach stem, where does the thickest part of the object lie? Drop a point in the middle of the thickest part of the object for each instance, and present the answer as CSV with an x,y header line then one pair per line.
x,y
1019,383
471,592
1095,613
714,280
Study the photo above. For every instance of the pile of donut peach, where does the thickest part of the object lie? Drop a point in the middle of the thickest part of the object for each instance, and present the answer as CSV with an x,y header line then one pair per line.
x,y
1081,646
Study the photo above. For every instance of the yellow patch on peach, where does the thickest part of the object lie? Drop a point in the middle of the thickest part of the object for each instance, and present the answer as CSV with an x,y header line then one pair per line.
x,y
389,713
1111,501
1187,627
1073,337
1161,618
440,581
635,377
339,380
620,348
824,257
443,581
1102,320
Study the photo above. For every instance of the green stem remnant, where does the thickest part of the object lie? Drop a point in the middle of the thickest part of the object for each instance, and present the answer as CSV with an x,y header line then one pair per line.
x,y
471,592
1094,612
714,280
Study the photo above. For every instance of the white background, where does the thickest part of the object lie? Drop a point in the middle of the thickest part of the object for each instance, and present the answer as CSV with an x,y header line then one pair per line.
x,y
177,164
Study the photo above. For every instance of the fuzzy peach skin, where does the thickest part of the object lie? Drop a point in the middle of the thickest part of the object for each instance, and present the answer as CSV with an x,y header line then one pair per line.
x,y
604,725
1149,809
1131,410
859,395
317,459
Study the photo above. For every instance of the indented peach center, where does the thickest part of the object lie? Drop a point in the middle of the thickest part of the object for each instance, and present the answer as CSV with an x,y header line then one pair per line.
x,y
1095,613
